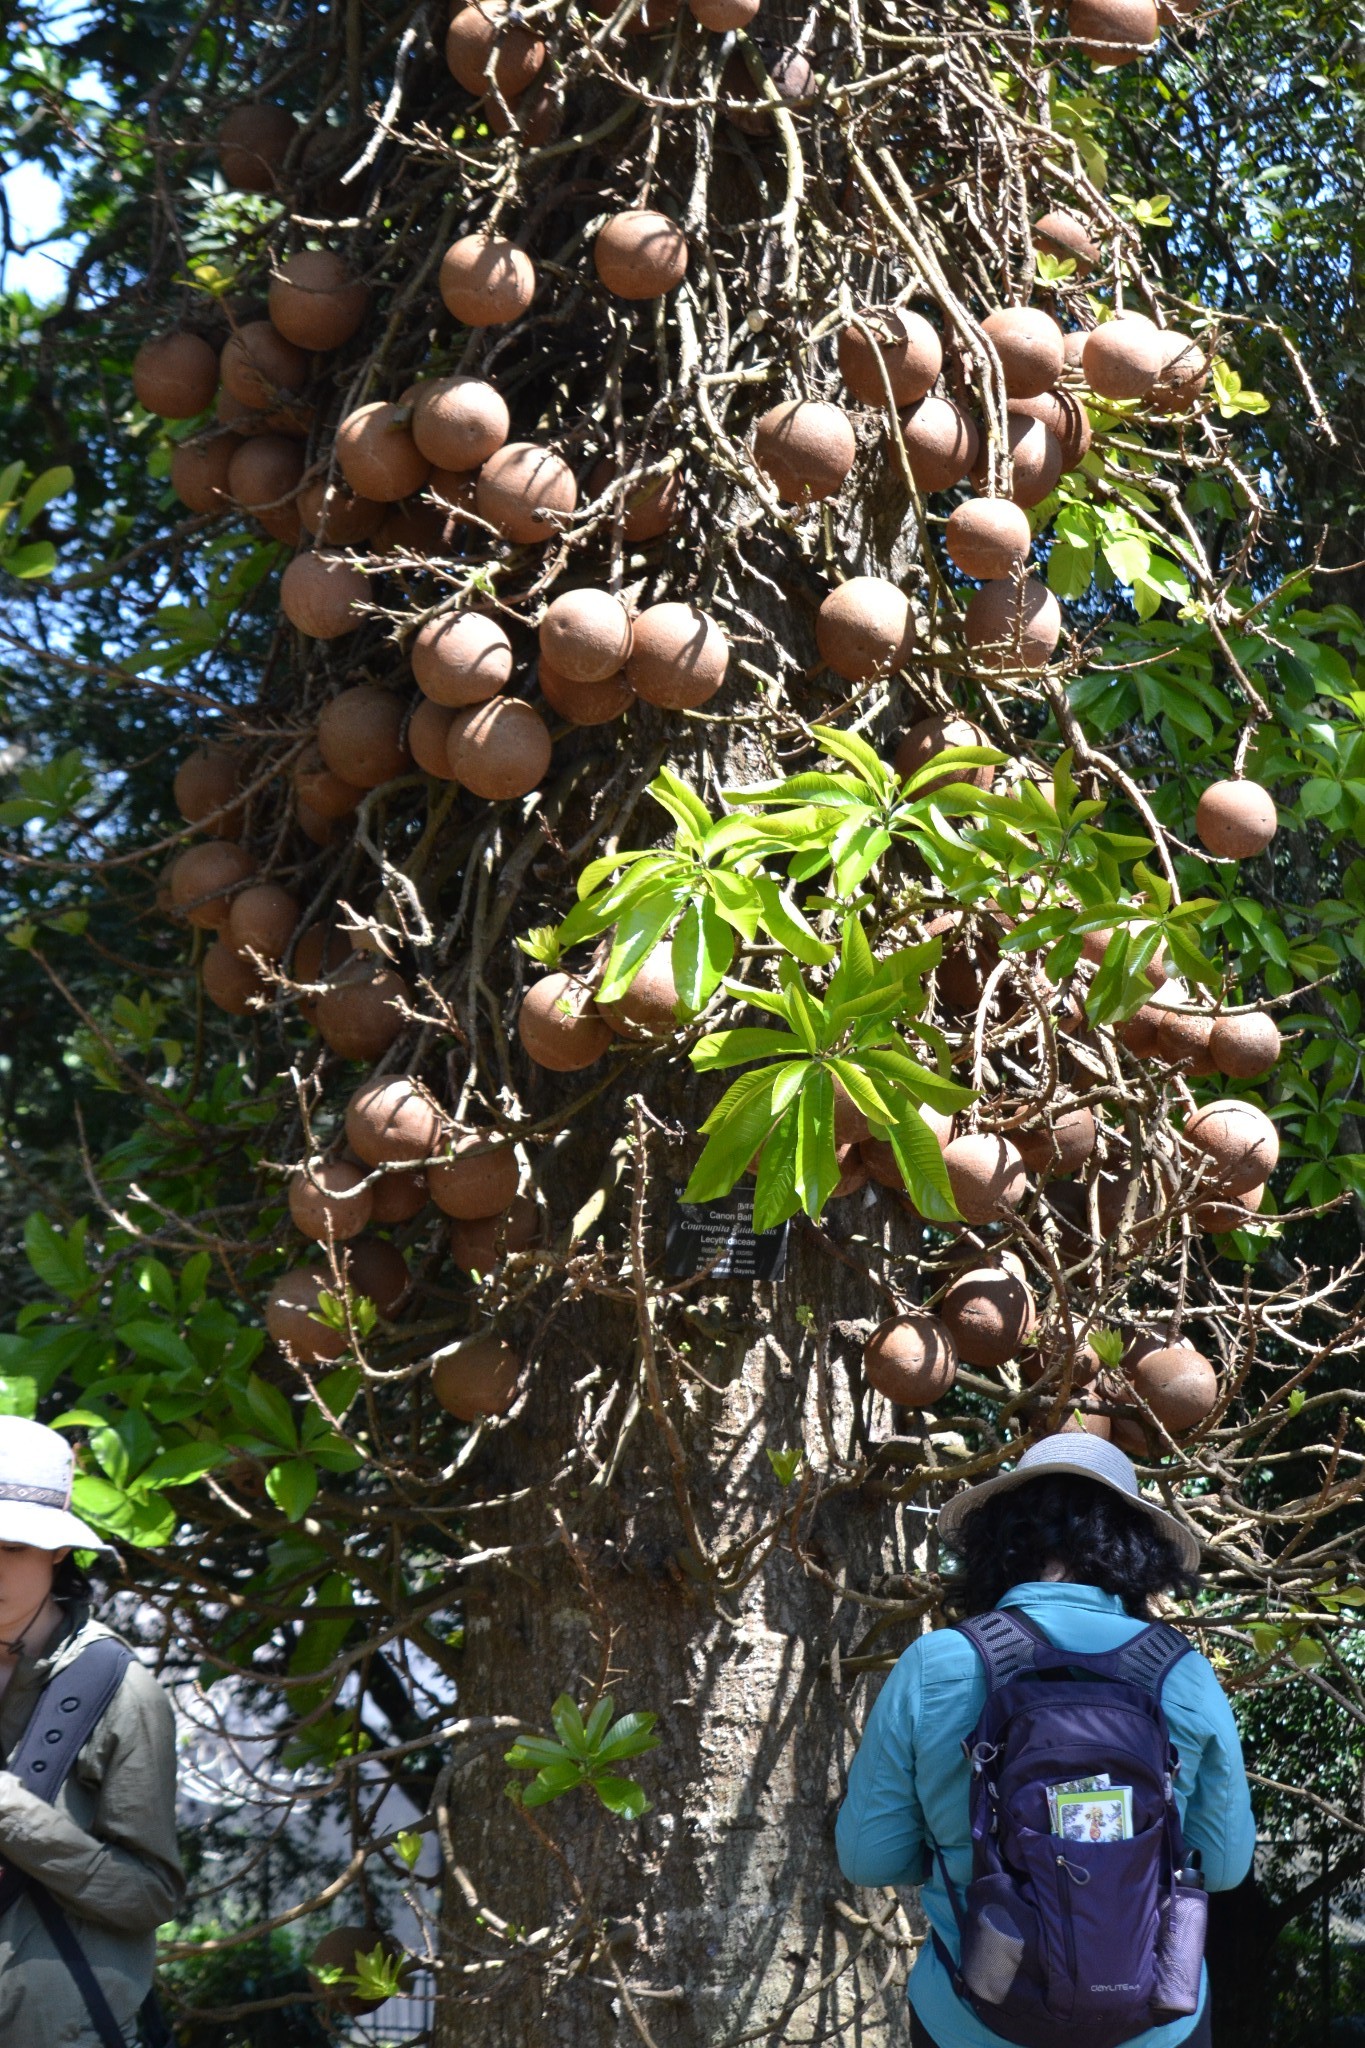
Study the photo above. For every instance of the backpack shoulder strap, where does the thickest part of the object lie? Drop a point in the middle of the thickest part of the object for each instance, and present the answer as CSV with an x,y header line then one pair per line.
x,y
1148,1658
1005,1642
69,1708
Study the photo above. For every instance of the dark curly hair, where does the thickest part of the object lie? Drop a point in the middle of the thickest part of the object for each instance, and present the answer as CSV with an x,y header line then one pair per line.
x,y
1061,1519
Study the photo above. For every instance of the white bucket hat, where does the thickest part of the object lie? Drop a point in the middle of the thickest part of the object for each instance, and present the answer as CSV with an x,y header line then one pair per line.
x,y
1090,1457
36,1470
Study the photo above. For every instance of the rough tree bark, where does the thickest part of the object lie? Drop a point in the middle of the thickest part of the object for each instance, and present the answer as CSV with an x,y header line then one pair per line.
x,y
721,1916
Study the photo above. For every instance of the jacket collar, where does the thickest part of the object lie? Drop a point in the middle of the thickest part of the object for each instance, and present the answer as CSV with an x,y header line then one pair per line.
x,y
1063,1593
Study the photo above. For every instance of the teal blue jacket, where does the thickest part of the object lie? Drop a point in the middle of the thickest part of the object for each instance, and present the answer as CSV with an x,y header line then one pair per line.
x,y
907,1787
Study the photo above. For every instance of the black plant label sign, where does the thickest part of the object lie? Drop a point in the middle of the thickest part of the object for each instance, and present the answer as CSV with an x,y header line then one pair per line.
x,y
720,1237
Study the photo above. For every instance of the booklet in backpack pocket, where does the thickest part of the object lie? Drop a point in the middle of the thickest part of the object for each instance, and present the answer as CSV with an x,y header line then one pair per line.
x,y
1093,1813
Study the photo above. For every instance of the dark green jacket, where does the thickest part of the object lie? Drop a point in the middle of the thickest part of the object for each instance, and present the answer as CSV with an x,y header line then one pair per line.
x,y
106,1851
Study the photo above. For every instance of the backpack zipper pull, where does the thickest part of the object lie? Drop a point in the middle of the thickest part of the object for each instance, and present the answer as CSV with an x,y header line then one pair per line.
x,y
1074,1871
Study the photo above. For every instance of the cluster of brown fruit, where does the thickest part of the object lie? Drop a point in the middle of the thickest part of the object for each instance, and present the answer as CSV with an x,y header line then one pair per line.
x,y
401,1152
807,448
986,1315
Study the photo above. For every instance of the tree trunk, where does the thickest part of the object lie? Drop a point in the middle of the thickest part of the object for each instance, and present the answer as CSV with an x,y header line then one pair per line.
x,y
720,1916
719,1912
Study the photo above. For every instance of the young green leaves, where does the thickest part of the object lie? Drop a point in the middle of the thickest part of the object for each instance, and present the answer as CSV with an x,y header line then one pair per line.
x,y
584,1754
784,1109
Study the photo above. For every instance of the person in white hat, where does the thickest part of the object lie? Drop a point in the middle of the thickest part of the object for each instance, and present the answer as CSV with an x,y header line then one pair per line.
x,y
1069,1540
105,1849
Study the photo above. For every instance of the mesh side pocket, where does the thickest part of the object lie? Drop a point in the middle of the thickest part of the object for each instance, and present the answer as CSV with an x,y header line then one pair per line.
x,y
1001,1944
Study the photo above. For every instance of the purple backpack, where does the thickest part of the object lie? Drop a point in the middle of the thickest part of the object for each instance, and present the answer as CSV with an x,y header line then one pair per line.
x,y
1084,1937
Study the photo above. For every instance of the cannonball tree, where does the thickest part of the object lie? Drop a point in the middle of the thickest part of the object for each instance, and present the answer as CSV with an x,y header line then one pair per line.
x,y
686,638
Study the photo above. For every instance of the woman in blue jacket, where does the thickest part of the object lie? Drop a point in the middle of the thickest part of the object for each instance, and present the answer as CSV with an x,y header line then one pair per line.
x,y
1068,1540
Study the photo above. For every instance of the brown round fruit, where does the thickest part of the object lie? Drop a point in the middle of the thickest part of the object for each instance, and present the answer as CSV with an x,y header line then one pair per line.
x,y
322,595
1030,346
584,703
483,49
722,15
911,1359
393,1121
1245,1046
478,1179
989,1314
1113,32
231,982
335,516
358,1014
986,1175
651,508
1236,820
1179,1386
1184,373
741,100
203,879
485,281
988,537
863,628
1065,418
640,254
378,1270
559,1024
1123,358
1182,1040
1061,1145
315,300
678,656
290,1308
206,782
1062,235
649,1007
525,493
478,1246
1035,460
260,369
428,738
263,919
1012,625
398,1197
926,740
806,447
941,443
500,749
328,795
458,422
586,635
253,143
360,736
907,346
330,1198
175,376
377,455
199,472
476,1378
1240,1141
462,660
1218,1218
264,477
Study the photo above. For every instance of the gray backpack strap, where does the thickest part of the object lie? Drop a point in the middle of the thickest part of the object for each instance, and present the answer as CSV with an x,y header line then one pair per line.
x,y
1005,1643
1146,1660
69,1709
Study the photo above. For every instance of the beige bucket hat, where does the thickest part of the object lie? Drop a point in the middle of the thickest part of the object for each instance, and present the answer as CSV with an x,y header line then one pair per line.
x,y
1090,1457
37,1467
